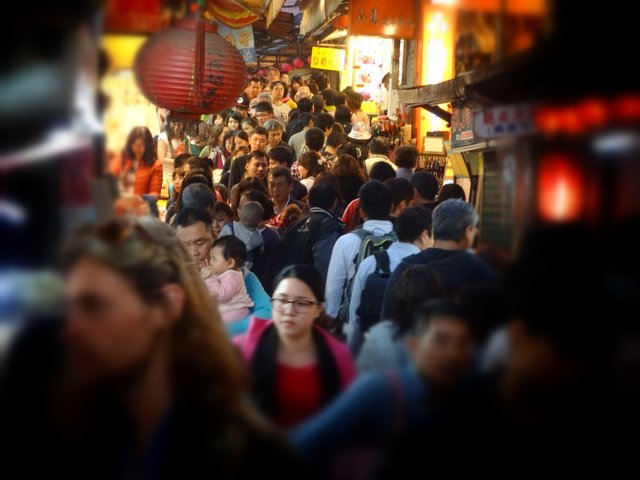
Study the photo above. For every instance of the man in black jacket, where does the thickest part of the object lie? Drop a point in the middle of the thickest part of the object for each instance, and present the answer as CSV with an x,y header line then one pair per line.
x,y
311,239
454,229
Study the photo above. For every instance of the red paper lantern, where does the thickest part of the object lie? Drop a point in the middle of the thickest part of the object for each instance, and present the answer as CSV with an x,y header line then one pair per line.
x,y
190,69
286,67
298,63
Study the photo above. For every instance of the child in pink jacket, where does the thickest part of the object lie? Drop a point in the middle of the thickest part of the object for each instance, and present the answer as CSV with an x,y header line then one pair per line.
x,y
225,280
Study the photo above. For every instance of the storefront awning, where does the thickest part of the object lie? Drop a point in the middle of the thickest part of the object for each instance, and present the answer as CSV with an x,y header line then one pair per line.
x,y
317,13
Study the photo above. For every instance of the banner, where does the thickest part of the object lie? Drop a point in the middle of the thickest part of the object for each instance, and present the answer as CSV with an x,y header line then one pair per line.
x,y
232,14
242,39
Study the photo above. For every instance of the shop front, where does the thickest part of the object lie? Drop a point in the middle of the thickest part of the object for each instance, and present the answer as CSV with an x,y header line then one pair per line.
x,y
375,30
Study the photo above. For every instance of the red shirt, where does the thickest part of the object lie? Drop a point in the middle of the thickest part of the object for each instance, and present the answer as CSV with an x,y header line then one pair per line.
x,y
298,394
351,216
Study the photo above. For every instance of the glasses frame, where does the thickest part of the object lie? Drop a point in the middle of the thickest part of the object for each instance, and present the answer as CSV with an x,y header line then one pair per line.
x,y
292,303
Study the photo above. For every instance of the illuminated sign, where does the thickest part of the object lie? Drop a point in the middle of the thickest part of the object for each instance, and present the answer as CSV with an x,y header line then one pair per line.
x,y
328,59
395,19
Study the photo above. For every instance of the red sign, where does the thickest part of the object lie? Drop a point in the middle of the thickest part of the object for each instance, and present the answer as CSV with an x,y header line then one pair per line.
x,y
382,18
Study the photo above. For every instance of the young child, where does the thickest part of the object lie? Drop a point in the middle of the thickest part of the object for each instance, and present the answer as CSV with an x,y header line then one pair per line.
x,y
246,230
225,280
177,178
222,216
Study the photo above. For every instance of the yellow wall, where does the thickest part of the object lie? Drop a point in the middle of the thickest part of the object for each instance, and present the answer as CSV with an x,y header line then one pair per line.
x,y
128,108
122,49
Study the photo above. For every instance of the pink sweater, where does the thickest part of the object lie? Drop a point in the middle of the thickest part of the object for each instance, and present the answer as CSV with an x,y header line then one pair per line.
x,y
231,292
248,342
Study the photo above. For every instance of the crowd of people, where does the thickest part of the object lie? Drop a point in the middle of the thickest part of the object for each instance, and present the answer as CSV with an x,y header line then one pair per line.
x,y
311,305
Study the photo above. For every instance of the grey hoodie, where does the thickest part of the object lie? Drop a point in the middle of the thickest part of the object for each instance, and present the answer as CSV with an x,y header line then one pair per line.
x,y
251,237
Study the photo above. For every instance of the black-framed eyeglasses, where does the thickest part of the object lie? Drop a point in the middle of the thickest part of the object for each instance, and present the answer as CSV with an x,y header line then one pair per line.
x,y
300,306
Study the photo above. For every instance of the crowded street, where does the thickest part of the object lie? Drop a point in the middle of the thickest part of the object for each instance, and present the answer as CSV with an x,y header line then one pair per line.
x,y
319,239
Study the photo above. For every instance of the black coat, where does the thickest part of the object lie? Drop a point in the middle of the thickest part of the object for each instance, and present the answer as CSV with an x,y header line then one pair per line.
x,y
457,268
310,241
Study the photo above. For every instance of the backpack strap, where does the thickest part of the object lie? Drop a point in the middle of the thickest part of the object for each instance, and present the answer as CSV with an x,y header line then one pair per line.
x,y
362,234
382,262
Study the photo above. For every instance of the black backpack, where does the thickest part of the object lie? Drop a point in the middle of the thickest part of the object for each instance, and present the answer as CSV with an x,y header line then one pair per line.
x,y
373,292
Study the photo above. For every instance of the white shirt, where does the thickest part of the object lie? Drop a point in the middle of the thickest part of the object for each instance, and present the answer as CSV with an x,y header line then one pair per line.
x,y
308,182
397,251
375,158
342,267
281,112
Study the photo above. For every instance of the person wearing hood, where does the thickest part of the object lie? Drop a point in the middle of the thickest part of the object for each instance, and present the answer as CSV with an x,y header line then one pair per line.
x,y
246,229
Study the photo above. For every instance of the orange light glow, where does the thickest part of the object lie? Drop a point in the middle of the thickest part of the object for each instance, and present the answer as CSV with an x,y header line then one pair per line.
x,y
560,197
437,58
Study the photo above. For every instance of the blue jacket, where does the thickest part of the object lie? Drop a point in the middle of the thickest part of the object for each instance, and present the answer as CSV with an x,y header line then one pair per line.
x,y
262,308
375,406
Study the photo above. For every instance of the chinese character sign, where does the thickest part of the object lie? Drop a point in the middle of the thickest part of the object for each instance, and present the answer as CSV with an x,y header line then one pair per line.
x,y
328,58
511,120
242,39
395,19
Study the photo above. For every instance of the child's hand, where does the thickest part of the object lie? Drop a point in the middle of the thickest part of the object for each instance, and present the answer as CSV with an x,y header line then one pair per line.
x,y
205,269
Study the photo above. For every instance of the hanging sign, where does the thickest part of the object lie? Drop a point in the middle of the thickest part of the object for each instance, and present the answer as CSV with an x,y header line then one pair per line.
x,y
328,58
242,39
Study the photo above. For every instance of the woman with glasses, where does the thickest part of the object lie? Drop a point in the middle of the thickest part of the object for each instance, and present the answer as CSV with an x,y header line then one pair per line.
x,y
152,388
297,367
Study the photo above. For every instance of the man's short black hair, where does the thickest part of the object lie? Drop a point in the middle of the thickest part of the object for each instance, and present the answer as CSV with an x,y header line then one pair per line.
x,y
282,172
305,105
281,155
324,121
336,138
260,131
401,190
339,98
379,146
322,195
232,247
257,154
265,107
198,197
375,200
314,138
328,96
426,184
284,85
406,156
187,217
382,171
412,222
437,307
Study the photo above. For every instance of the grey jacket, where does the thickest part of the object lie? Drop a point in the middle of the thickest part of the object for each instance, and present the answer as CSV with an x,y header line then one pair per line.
x,y
381,351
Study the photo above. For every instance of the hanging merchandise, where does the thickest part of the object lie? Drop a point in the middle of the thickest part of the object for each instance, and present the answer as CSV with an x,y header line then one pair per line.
x,y
190,70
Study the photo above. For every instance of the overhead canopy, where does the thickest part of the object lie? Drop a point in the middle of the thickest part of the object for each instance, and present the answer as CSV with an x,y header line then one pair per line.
x,y
317,13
